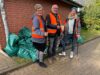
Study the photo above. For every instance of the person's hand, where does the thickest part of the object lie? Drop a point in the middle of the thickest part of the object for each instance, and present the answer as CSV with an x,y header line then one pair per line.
x,y
78,35
58,27
46,34
62,28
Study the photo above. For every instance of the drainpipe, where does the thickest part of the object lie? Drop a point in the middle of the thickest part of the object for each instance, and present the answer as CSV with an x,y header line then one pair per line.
x,y
3,16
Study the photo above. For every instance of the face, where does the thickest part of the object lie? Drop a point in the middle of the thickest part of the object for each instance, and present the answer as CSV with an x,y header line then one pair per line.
x,y
54,9
73,12
39,12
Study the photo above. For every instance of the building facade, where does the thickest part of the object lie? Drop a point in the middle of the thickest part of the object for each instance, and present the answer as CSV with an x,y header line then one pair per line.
x,y
19,13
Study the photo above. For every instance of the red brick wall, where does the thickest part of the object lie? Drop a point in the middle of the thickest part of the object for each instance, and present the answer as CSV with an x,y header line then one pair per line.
x,y
19,12
2,34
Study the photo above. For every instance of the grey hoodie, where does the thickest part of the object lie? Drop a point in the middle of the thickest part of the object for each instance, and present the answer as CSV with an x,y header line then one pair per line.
x,y
37,30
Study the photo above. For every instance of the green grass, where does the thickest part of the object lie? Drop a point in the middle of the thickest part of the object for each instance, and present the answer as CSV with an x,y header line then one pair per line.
x,y
90,34
19,60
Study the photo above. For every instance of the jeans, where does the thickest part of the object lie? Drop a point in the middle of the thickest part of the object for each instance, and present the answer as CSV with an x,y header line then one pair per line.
x,y
52,46
68,38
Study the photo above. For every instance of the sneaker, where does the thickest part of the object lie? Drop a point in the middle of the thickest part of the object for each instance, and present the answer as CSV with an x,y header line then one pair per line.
x,y
42,64
71,54
62,54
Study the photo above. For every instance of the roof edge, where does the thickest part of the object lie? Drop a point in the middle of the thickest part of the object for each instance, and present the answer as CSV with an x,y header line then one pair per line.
x,y
72,3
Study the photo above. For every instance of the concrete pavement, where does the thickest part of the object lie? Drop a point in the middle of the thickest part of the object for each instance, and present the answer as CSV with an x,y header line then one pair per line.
x,y
6,63
86,63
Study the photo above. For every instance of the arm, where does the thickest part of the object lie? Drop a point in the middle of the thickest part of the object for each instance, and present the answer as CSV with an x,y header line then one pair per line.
x,y
48,23
36,26
66,25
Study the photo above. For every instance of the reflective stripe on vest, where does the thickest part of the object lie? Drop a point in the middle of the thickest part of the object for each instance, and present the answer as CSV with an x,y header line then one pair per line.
x,y
34,34
53,22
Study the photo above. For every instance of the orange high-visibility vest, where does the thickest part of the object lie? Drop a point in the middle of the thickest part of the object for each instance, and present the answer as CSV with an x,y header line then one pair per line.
x,y
53,22
41,26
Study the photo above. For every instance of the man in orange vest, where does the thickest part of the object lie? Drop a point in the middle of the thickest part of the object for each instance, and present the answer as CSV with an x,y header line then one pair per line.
x,y
53,21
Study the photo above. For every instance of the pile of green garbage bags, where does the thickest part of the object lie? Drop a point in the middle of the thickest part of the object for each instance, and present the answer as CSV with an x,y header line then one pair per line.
x,y
21,45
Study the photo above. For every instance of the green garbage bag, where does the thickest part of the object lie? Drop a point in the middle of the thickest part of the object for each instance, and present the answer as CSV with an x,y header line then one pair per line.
x,y
29,40
26,42
11,46
28,53
13,39
33,51
22,42
24,53
11,51
33,54
80,40
27,50
24,33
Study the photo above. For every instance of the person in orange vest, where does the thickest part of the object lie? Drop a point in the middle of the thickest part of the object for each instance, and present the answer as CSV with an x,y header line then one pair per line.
x,y
39,33
53,22
72,31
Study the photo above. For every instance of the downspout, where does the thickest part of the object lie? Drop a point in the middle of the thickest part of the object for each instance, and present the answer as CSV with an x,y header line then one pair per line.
x,y
3,16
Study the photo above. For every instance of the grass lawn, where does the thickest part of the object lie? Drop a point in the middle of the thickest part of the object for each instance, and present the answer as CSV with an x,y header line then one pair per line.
x,y
21,60
87,35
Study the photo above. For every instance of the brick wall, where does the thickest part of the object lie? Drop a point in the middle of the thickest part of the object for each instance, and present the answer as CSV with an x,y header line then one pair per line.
x,y
19,13
2,34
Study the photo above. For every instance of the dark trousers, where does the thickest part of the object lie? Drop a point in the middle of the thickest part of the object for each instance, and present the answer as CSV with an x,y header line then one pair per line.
x,y
52,46
69,38
40,46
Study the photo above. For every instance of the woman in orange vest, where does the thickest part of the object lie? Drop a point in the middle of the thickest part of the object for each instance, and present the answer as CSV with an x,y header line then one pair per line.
x,y
39,33
53,21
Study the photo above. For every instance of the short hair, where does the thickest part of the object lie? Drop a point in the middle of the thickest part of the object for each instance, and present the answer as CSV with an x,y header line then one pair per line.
x,y
38,6
54,5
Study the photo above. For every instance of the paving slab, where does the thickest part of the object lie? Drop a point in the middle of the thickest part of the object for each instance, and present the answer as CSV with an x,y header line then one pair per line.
x,y
86,63
6,63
